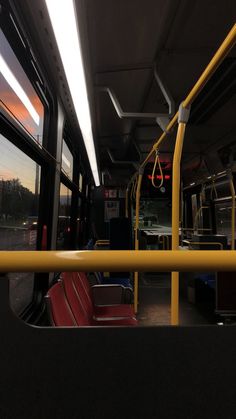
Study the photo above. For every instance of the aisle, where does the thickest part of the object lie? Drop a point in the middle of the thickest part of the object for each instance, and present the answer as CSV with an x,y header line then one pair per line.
x,y
154,304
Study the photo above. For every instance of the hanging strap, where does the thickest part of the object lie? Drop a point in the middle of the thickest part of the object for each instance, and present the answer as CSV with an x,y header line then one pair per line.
x,y
157,161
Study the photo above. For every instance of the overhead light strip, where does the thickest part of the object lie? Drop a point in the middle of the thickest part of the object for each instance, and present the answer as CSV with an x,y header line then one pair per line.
x,y
63,18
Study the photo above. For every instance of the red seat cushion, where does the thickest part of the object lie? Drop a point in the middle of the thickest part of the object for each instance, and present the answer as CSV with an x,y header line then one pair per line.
x,y
79,296
82,316
121,310
116,322
60,309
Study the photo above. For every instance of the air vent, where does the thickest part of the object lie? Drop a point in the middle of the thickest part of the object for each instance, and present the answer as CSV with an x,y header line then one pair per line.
x,y
217,92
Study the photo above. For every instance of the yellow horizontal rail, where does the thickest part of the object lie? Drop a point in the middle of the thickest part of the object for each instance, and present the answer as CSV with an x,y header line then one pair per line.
x,y
101,242
118,260
204,243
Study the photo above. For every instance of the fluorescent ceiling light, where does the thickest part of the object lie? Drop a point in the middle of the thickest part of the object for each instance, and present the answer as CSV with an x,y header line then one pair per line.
x,y
19,91
63,19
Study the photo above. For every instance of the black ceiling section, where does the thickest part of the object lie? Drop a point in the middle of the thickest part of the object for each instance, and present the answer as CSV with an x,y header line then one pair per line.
x,y
125,32
127,40
218,91
124,38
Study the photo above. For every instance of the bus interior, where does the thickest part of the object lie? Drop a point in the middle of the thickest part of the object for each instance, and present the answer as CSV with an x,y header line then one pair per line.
x,y
117,208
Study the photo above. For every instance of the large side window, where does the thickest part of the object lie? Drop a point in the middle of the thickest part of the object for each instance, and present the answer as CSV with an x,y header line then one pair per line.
x,y
63,229
17,94
19,194
67,161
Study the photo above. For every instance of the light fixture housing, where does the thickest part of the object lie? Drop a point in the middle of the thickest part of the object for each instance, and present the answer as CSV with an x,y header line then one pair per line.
x,y
64,23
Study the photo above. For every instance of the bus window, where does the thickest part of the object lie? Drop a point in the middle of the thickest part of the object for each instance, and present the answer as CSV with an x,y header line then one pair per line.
x,y
18,96
63,228
67,161
19,189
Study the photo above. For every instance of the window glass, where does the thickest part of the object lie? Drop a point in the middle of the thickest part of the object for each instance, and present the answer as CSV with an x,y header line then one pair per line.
x,y
17,94
63,229
67,161
218,189
19,194
223,218
155,213
80,182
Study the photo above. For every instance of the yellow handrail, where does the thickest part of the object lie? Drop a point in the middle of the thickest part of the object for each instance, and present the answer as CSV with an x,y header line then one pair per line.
x,y
175,219
204,243
102,242
118,260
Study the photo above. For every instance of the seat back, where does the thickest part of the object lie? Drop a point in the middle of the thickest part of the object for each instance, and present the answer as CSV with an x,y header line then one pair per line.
x,y
77,299
60,311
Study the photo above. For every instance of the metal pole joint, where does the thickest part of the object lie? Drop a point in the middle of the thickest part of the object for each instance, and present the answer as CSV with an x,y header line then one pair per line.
x,y
183,115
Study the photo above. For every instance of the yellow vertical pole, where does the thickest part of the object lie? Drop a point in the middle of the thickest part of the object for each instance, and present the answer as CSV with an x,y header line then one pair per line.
x,y
182,120
232,189
136,235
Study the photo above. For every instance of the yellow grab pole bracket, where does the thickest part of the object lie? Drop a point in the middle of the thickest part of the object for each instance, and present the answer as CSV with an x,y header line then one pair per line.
x,y
183,116
136,235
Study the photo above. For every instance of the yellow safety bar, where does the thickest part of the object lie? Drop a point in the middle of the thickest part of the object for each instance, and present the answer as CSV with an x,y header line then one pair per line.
x,y
102,243
198,229
204,243
118,260
217,59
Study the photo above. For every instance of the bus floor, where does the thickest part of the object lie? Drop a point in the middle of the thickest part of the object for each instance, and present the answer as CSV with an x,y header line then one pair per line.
x,y
154,303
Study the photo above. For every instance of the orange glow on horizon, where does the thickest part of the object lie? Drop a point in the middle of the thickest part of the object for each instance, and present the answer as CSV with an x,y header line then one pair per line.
x,y
17,108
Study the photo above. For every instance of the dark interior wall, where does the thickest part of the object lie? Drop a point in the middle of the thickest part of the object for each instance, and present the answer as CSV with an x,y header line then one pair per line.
x,y
104,373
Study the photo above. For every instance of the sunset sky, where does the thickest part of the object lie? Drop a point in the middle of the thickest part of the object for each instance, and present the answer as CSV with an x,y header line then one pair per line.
x,y
15,164
9,97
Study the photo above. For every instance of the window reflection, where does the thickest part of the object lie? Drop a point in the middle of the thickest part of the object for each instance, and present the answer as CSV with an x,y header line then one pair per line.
x,y
67,161
223,211
80,182
63,229
17,93
19,194
155,213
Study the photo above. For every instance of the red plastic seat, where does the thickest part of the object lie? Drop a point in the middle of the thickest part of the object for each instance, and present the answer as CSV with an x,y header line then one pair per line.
x,y
121,310
59,308
79,296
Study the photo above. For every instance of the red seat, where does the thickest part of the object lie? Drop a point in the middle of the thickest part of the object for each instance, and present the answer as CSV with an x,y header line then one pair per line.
x,y
79,296
121,310
59,308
